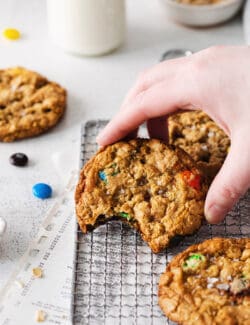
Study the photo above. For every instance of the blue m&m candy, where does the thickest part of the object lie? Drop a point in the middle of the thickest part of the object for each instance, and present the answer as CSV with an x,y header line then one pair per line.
x,y
42,190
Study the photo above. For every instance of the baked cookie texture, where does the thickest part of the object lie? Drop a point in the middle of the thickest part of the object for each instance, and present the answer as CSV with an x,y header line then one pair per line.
x,y
29,104
208,283
153,187
201,137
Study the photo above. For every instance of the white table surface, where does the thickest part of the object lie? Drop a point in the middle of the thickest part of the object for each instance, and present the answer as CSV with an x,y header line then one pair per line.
x,y
96,87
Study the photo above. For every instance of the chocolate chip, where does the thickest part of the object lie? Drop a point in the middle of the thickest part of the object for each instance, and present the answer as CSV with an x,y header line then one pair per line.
x,y
40,83
47,110
147,196
18,159
141,181
175,240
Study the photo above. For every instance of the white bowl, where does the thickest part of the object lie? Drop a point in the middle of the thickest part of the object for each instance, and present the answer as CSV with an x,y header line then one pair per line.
x,y
202,15
2,227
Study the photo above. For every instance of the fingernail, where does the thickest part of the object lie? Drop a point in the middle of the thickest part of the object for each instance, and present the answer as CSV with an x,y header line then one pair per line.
x,y
215,213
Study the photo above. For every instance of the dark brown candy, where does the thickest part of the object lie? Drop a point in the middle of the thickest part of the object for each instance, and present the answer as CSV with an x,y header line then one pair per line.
x,y
19,159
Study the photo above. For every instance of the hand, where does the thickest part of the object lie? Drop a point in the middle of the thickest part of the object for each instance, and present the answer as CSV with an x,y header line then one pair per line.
x,y
218,81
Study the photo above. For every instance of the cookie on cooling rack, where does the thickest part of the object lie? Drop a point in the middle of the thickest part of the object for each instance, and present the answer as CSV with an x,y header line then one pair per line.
x,y
153,187
29,104
200,137
208,283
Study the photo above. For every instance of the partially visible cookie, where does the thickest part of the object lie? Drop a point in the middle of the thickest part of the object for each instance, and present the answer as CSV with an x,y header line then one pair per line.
x,y
29,104
199,136
208,284
155,188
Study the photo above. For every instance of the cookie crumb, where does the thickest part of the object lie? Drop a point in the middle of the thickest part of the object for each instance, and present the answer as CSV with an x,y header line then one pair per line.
x,y
40,316
19,283
37,272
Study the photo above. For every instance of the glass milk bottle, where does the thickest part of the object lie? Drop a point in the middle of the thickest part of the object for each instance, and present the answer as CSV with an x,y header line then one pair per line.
x,y
86,27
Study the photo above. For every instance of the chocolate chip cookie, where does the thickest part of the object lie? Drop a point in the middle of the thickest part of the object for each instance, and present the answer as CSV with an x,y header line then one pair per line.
x,y
153,187
208,283
201,137
29,104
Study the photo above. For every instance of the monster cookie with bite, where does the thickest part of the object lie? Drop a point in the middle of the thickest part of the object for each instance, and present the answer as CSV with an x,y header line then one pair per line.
x,y
153,187
200,137
208,283
29,104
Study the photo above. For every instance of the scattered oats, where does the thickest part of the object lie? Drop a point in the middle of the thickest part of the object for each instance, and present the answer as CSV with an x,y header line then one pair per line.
x,y
159,182
37,272
236,260
229,278
160,192
122,191
19,283
193,127
222,286
40,316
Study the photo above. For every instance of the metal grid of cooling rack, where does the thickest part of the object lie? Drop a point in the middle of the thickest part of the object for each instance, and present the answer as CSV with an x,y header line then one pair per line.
x,y
116,274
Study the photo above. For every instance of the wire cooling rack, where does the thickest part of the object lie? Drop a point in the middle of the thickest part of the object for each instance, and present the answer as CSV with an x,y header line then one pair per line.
x,y
116,274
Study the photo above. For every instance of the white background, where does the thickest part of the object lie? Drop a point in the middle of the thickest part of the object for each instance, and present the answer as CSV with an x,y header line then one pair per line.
x,y
96,87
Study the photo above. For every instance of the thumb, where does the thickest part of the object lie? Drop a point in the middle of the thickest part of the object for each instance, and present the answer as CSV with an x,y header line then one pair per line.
x,y
231,182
